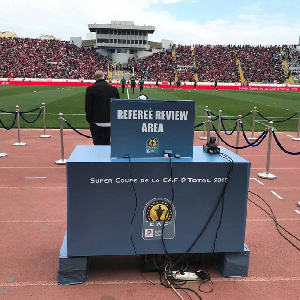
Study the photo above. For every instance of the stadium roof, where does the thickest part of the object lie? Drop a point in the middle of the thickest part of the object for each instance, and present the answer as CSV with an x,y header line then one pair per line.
x,y
128,25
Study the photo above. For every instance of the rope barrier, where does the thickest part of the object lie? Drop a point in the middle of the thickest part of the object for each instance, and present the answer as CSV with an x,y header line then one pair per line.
x,y
281,147
30,122
223,126
247,114
13,123
200,124
279,121
262,136
8,112
30,111
87,136
246,139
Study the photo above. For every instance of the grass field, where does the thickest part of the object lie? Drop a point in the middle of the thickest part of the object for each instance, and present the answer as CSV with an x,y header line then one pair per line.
x,y
70,102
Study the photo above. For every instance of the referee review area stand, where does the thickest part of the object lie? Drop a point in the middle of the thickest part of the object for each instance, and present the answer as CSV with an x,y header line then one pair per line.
x,y
97,108
101,205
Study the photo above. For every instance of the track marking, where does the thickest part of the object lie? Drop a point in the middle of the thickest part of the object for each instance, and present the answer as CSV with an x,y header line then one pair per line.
x,y
276,195
271,220
289,135
33,221
42,177
33,187
123,282
5,288
30,167
297,211
257,181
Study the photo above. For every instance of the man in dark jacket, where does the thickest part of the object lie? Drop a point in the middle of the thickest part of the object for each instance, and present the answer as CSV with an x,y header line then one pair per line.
x,y
97,108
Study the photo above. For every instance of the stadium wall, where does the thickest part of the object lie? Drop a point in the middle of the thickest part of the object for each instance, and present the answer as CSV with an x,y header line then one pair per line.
x,y
149,84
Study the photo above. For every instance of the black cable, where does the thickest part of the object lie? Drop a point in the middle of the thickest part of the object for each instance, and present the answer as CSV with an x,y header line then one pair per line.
x,y
169,206
272,215
227,157
133,217
204,281
213,212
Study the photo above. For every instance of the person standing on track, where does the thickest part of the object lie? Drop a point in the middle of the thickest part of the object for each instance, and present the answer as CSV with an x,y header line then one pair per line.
x,y
97,108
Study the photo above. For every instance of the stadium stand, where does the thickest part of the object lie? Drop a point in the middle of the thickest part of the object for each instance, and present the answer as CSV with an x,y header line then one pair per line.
x,y
292,56
216,63
37,58
262,64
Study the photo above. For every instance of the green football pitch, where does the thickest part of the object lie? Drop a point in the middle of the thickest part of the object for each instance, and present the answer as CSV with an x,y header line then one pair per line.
x,y
70,101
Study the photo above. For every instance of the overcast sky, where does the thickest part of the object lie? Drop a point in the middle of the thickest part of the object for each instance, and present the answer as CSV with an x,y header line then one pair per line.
x,y
182,21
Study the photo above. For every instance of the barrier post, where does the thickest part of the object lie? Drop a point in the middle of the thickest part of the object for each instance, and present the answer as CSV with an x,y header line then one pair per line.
x,y
61,161
298,132
267,174
3,154
19,143
219,126
204,126
208,128
239,121
44,122
253,124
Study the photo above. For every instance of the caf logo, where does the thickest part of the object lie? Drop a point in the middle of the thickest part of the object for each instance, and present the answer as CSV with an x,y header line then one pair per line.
x,y
152,142
159,210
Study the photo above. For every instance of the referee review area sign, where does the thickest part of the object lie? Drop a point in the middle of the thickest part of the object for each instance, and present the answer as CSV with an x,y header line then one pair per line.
x,y
149,128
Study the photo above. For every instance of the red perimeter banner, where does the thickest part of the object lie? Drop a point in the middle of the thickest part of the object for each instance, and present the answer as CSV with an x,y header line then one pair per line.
x,y
163,86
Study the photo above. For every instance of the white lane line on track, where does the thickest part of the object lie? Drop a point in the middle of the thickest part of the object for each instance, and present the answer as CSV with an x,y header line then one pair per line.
x,y
297,211
279,197
33,221
257,181
120,282
64,221
41,177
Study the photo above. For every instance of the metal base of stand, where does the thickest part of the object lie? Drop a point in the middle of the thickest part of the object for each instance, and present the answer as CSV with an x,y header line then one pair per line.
x,y
45,136
267,175
20,144
3,154
296,139
202,138
61,162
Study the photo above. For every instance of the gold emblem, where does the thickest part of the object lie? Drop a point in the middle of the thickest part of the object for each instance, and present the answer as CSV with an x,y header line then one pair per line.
x,y
152,142
159,210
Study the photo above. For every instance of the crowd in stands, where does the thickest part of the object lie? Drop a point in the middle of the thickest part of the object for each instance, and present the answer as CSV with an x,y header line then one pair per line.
x,y
36,58
262,64
216,63
159,66
292,56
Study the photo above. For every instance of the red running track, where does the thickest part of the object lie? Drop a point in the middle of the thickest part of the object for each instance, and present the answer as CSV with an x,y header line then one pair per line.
x,y
33,223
